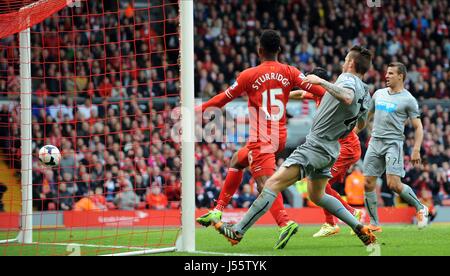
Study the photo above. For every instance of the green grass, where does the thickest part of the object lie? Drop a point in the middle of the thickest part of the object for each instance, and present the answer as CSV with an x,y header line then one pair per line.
x,y
395,240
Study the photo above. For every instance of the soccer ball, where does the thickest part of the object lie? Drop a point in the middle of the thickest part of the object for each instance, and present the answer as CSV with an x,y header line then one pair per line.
x,y
49,156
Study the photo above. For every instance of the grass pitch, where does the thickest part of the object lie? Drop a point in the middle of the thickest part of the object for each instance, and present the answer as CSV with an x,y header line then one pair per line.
x,y
396,240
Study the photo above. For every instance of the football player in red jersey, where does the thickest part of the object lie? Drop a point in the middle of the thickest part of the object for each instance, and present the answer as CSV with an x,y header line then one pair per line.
x,y
268,87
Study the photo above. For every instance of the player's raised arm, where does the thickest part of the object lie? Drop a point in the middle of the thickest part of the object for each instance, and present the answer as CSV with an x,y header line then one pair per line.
x,y
316,90
343,94
219,101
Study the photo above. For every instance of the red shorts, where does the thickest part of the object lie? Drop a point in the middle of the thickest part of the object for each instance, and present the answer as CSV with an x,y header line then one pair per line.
x,y
343,164
260,163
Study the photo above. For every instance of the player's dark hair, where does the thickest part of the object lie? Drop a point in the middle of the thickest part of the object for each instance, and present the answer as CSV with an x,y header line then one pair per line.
x,y
401,68
270,41
320,72
362,57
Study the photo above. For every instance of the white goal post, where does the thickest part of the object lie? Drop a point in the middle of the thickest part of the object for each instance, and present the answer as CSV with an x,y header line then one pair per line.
x,y
25,235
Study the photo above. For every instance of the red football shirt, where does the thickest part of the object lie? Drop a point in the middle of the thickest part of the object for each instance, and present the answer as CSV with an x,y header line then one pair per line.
x,y
267,86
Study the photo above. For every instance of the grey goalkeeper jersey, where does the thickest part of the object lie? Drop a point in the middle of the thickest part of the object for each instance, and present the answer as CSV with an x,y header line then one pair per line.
x,y
335,120
391,112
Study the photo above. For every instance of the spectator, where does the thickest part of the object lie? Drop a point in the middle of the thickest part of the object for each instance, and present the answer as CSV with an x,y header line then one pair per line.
x,y
446,179
110,187
210,191
68,163
87,204
427,181
68,179
126,199
55,108
64,199
98,175
87,109
140,186
3,190
83,184
246,197
42,92
173,190
49,181
98,199
4,127
155,199
105,89
412,175
46,199
354,187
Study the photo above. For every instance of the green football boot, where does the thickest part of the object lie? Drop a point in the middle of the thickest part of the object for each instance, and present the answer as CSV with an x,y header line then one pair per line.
x,y
286,233
209,218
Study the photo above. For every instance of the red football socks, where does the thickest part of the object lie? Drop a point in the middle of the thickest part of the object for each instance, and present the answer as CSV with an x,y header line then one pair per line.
x,y
329,218
232,182
278,212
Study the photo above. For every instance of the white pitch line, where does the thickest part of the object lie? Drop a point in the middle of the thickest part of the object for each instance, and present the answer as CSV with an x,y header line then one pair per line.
x,y
139,248
93,245
8,241
143,252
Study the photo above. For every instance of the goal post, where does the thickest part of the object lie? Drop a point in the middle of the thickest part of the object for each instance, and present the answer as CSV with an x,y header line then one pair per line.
x,y
25,234
188,125
26,225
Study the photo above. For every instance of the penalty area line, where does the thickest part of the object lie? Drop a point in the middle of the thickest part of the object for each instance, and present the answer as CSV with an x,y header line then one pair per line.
x,y
93,245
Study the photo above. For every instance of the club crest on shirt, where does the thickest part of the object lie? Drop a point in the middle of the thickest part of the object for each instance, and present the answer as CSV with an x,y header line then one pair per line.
x,y
235,84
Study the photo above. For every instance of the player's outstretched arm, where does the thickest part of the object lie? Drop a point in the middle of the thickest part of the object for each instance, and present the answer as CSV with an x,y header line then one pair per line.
x,y
301,95
344,95
218,101
228,95
418,138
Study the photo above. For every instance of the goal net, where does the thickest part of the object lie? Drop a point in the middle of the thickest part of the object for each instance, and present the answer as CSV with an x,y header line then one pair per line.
x,y
99,81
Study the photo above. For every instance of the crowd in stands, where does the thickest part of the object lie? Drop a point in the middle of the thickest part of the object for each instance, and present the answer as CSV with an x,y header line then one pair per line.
x,y
318,33
119,154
